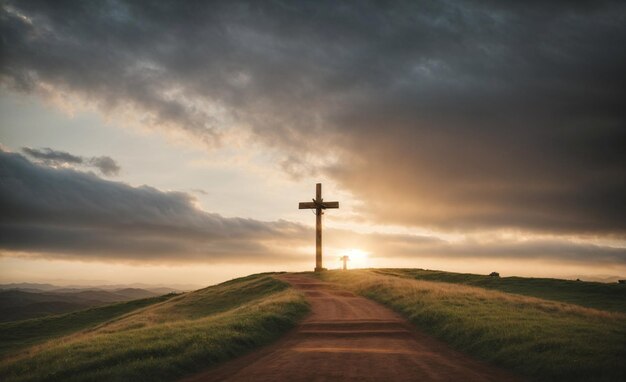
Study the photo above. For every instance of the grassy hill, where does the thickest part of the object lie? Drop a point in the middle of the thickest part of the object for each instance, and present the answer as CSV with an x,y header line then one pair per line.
x,y
543,329
541,339
160,341
611,297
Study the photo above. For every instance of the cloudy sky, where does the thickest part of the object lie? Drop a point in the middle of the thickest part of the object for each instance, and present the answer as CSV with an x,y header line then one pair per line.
x,y
171,142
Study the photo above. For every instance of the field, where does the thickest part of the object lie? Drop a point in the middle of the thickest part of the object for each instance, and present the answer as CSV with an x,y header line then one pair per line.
x,y
536,338
611,297
161,341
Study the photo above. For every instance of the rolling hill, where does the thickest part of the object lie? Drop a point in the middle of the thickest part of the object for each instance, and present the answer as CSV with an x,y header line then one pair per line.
x,y
153,339
502,321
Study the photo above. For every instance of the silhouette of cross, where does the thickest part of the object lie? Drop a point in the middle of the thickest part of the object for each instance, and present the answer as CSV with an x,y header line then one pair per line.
x,y
345,261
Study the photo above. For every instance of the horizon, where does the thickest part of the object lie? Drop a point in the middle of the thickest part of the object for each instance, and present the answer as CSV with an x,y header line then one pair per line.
x,y
172,144
78,284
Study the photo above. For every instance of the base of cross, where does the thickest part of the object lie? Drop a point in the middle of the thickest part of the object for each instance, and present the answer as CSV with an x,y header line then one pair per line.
x,y
319,269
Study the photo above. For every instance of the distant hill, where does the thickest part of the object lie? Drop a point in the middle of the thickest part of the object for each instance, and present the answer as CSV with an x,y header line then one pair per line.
x,y
163,290
134,293
20,301
158,288
19,304
29,286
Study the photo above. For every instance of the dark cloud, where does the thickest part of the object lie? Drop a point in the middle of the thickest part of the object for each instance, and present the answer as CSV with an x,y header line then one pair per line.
x,y
550,250
106,165
468,115
60,212
49,156
64,212
416,247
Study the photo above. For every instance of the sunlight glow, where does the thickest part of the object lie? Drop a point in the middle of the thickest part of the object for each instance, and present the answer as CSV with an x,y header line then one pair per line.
x,y
358,258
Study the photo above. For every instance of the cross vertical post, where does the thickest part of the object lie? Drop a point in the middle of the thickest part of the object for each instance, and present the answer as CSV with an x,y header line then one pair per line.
x,y
318,228
319,206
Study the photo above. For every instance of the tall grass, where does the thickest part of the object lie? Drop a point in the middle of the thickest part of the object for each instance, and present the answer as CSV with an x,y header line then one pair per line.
x,y
540,339
595,295
167,341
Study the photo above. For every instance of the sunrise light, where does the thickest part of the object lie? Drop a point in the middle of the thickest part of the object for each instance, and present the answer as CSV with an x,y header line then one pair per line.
x,y
358,258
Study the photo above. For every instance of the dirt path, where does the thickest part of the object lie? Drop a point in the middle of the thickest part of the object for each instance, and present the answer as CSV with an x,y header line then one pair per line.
x,y
350,338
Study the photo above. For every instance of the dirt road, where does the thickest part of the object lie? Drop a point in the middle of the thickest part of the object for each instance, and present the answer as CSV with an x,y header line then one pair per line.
x,y
350,338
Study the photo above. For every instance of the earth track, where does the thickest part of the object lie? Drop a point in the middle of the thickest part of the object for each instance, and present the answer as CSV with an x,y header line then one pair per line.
x,y
350,338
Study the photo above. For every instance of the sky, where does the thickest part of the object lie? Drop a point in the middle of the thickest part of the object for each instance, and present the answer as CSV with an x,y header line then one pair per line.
x,y
168,142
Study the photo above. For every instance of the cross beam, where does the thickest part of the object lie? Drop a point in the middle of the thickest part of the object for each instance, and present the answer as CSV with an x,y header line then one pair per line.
x,y
319,205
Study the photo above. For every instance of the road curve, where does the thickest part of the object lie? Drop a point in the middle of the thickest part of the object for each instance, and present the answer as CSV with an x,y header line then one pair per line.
x,y
351,338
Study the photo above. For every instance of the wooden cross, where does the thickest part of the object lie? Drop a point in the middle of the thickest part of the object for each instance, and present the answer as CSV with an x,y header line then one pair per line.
x,y
319,205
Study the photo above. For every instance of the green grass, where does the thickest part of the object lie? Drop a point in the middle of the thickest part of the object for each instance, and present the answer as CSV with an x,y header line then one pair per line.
x,y
611,297
540,339
17,335
168,340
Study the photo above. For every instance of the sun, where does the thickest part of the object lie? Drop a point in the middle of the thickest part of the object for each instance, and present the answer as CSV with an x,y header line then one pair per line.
x,y
358,258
